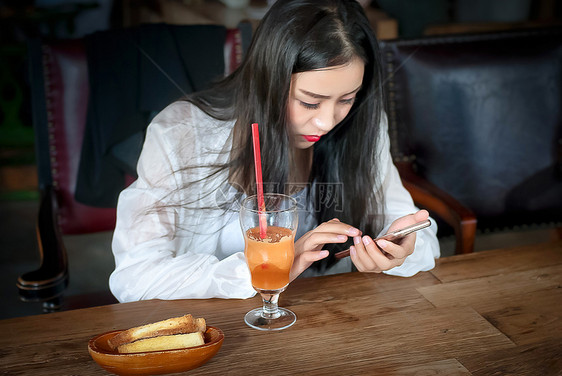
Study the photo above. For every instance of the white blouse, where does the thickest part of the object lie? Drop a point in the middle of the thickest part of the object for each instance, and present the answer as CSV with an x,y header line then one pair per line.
x,y
158,254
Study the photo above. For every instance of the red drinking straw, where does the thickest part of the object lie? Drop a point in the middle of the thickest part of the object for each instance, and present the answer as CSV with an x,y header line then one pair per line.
x,y
259,181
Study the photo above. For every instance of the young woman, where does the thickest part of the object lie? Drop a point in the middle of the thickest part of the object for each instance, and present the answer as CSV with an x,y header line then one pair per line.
x,y
312,81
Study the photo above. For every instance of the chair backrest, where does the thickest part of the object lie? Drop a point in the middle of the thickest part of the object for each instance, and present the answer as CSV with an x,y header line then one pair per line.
x,y
61,97
480,116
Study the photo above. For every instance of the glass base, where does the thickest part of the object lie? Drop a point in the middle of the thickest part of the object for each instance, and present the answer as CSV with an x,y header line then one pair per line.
x,y
279,320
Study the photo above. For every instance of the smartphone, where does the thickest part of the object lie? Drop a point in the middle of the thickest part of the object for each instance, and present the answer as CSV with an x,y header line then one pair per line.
x,y
393,236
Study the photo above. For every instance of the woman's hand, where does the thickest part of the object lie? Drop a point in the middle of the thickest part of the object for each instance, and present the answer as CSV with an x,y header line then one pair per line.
x,y
369,256
308,248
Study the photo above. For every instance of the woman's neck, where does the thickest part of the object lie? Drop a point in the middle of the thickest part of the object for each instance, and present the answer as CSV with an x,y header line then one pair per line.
x,y
300,165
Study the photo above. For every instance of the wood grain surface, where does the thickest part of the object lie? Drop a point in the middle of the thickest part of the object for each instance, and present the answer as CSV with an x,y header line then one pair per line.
x,y
488,313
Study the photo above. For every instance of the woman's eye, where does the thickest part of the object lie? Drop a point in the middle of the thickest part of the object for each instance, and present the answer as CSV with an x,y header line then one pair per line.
x,y
309,106
348,101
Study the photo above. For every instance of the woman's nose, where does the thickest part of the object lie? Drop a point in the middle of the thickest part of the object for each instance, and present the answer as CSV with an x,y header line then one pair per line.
x,y
325,120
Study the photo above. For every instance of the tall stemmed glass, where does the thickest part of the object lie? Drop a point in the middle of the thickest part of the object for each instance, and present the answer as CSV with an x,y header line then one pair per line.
x,y
269,258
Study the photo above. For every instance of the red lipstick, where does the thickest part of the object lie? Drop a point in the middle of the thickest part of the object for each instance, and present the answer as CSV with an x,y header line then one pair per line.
x,y
310,138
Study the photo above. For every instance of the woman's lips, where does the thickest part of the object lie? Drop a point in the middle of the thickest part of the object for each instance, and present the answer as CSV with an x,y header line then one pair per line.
x,y
311,138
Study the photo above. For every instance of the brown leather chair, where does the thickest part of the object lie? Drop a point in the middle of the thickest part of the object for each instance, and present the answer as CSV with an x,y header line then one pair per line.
x,y
480,118
60,74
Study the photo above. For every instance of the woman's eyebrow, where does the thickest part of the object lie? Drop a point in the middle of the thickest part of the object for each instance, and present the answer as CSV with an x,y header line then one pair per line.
x,y
320,96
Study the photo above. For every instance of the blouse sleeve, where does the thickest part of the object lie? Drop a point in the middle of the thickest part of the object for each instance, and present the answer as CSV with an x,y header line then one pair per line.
x,y
398,203
166,251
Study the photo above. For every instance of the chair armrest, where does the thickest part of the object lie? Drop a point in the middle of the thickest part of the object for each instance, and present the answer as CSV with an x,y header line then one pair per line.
x,y
51,279
426,194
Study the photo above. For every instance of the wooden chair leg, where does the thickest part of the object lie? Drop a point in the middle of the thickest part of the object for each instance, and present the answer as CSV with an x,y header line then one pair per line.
x,y
465,233
52,305
47,283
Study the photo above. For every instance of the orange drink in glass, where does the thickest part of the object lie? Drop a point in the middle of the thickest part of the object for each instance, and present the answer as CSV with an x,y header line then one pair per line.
x,y
270,259
269,255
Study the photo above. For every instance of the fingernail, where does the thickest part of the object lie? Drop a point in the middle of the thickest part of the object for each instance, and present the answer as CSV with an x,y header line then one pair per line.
x,y
324,254
353,231
357,239
382,243
352,251
342,237
366,240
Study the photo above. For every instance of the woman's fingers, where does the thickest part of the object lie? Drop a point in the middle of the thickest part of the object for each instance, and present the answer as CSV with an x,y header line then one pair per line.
x,y
304,260
314,256
371,256
308,248
318,239
403,247
367,256
397,251
337,227
408,220
332,231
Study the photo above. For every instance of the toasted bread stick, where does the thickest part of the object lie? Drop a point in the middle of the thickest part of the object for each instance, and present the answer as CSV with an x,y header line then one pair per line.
x,y
176,341
177,325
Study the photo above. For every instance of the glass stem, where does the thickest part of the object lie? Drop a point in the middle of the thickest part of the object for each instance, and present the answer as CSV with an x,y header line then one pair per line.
x,y
270,307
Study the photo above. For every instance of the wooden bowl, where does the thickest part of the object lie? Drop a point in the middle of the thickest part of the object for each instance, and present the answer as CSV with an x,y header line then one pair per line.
x,y
154,362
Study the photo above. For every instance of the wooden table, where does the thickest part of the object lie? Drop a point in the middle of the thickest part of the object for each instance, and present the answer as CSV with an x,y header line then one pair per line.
x,y
488,313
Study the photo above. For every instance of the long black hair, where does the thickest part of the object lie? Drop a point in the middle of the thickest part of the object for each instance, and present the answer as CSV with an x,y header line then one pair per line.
x,y
299,36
